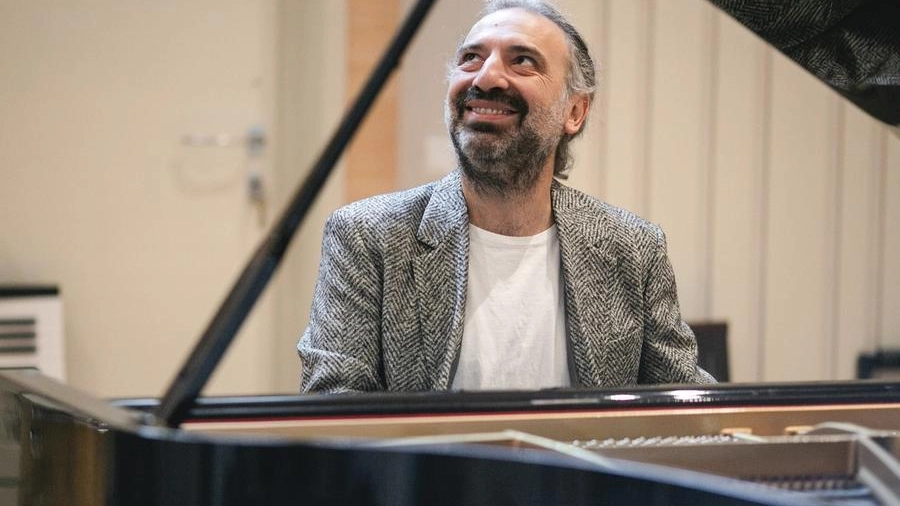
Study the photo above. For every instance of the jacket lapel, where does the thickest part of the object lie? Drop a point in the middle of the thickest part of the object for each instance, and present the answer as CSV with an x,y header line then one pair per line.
x,y
588,268
440,273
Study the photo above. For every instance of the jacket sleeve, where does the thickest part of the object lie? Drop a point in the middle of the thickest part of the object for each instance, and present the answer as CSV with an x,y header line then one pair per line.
x,y
669,351
341,348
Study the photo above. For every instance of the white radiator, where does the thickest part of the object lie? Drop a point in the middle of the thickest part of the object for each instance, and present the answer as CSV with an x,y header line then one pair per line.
x,y
31,330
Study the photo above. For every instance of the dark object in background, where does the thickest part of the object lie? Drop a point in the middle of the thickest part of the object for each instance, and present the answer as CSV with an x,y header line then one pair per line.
x,y
712,348
880,364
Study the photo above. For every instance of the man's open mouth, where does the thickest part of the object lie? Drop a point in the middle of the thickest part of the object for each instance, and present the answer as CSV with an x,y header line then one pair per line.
x,y
488,111
491,103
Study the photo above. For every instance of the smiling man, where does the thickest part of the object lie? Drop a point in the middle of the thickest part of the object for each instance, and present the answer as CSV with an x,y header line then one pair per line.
x,y
498,276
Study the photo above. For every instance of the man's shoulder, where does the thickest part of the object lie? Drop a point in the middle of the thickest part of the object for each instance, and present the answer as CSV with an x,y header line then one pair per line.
x,y
617,221
399,208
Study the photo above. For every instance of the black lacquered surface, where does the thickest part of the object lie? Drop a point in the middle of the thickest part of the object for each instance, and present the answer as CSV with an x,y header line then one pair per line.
x,y
73,449
851,45
712,396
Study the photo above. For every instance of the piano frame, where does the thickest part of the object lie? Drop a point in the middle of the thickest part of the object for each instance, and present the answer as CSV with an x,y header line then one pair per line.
x,y
60,446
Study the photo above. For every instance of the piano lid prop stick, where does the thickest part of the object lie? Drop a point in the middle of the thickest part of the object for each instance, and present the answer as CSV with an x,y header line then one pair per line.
x,y
199,366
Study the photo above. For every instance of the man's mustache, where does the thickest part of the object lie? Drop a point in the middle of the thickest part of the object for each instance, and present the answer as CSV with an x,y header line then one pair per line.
x,y
511,99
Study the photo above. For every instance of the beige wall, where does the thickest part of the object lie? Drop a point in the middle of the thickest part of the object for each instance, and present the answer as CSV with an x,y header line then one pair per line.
x,y
371,158
143,233
101,196
766,181
777,196
311,97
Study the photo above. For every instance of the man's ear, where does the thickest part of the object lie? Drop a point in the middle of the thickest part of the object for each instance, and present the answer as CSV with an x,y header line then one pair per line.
x,y
579,106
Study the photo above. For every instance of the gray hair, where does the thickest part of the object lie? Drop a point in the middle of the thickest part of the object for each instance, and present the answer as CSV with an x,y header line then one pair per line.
x,y
581,78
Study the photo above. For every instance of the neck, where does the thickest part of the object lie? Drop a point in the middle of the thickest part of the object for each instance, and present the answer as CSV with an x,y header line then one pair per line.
x,y
517,214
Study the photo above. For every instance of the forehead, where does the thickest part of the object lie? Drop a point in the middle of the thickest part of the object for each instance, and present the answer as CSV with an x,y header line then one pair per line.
x,y
519,27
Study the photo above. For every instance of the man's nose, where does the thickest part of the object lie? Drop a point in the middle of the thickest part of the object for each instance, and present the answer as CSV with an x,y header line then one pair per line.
x,y
492,74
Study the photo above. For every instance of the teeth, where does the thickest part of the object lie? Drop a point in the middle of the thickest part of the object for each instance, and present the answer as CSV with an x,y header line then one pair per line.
x,y
484,110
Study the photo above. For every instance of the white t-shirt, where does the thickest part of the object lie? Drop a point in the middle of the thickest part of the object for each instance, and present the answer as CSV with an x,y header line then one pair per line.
x,y
514,336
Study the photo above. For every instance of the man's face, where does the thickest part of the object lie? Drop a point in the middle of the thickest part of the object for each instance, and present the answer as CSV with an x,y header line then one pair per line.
x,y
506,106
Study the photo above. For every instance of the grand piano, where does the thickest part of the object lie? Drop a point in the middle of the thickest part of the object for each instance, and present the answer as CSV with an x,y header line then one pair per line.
x,y
727,444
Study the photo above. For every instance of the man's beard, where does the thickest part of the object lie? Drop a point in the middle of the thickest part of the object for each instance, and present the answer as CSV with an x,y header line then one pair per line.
x,y
496,160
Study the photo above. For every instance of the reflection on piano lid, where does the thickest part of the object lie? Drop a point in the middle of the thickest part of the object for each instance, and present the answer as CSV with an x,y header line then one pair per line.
x,y
851,45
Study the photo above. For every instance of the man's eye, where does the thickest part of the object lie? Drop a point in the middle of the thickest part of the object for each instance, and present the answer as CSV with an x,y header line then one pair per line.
x,y
523,60
468,58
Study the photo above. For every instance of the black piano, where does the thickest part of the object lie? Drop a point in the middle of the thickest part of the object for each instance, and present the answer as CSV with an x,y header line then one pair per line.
x,y
748,444
724,445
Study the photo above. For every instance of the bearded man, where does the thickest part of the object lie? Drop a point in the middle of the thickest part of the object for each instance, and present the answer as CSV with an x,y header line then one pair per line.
x,y
498,276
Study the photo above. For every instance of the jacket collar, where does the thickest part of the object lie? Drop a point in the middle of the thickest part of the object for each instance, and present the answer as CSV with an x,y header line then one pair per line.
x,y
576,216
446,213
589,269
441,273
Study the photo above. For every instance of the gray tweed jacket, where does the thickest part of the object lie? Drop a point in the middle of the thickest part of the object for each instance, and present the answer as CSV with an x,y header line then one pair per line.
x,y
389,303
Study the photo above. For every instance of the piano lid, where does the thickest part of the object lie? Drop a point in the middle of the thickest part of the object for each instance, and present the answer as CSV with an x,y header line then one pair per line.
x,y
851,45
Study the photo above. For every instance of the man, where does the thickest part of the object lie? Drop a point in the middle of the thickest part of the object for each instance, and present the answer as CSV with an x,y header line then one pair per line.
x,y
497,276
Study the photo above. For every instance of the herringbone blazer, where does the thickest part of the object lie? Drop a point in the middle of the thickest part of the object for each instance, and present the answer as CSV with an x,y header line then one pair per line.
x,y
389,302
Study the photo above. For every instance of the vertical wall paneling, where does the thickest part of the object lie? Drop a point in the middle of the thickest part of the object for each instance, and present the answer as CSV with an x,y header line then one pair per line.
x,y
677,164
857,273
371,158
707,249
588,150
311,35
762,210
646,109
832,222
890,316
798,239
881,227
252,350
737,191
626,84
601,113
